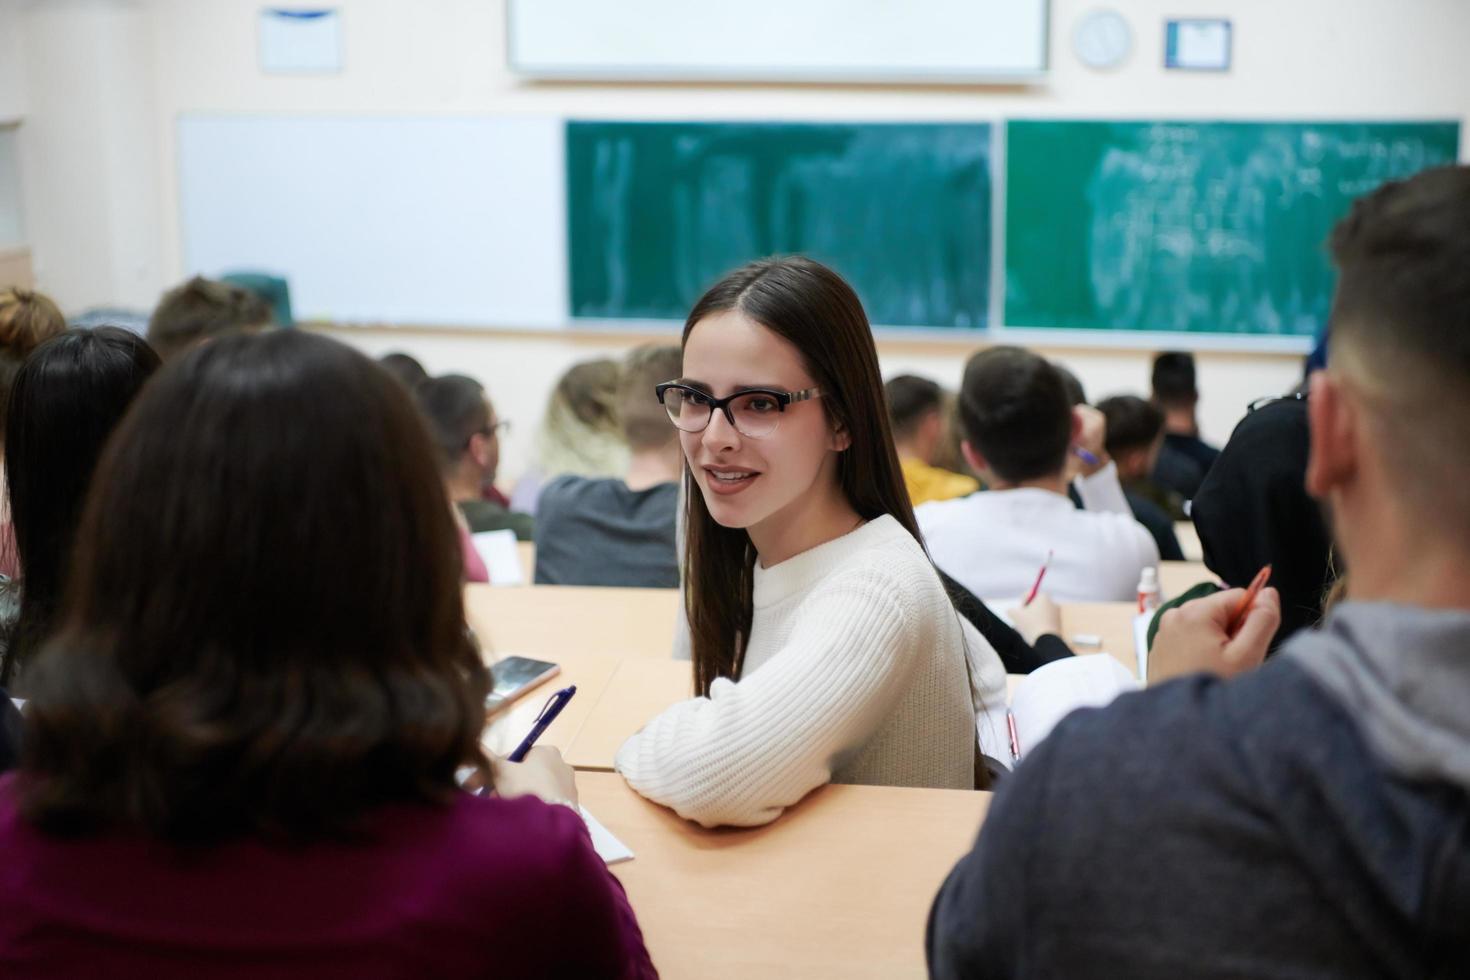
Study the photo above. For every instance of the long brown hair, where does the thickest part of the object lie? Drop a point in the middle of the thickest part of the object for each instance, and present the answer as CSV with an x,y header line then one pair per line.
x,y
263,630
817,312
68,397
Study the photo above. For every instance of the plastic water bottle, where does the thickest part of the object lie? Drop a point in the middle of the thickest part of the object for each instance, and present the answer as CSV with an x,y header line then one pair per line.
x,y
1149,595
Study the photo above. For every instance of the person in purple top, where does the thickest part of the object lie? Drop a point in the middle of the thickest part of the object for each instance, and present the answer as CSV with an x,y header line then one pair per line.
x,y
242,736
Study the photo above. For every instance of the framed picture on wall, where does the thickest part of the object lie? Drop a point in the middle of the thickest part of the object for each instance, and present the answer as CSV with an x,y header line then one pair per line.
x,y
1197,44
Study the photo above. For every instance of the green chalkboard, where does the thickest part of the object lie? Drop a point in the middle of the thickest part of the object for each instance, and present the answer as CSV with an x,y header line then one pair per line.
x,y
1190,226
658,211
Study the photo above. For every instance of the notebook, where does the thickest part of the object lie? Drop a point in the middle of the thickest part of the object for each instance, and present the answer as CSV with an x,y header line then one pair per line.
x,y
498,551
1053,691
608,847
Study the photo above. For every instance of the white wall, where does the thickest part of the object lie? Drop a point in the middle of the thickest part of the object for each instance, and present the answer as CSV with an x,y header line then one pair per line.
x,y
90,174
13,84
1296,59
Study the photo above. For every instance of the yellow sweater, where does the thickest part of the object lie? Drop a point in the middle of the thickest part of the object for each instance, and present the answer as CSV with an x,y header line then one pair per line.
x,y
926,483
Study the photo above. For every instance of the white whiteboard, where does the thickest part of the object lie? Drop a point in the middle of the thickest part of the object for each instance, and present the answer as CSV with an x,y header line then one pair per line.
x,y
779,40
435,221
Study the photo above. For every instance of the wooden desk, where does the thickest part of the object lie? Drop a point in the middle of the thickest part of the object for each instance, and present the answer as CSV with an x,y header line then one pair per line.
x,y
638,690
1111,621
839,886
1189,541
551,621
591,672
1179,576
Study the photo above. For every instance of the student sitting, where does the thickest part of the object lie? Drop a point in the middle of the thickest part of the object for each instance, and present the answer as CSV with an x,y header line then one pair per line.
x,y
824,646
1311,818
915,410
68,397
26,319
1020,428
242,739
1135,438
464,427
202,309
405,367
620,532
1253,510
579,434
1185,458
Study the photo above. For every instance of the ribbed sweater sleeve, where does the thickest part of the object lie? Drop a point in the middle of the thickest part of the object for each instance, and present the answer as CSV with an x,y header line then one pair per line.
x,y
753,748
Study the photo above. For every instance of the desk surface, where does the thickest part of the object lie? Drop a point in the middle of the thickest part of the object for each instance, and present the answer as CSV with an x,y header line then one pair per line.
x,y
638,690
1112,622
839,886
1180,576
553,621
591,673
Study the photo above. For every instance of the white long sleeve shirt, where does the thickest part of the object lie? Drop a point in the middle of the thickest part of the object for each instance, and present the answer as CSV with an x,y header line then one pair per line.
x,y
854,673
993,542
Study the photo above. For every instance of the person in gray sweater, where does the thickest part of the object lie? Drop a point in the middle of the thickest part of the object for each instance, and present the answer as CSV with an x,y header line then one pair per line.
x,y
1310,818
620,531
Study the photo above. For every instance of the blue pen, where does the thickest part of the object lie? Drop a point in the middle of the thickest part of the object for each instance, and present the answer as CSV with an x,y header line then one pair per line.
x,y
548,714
1085,456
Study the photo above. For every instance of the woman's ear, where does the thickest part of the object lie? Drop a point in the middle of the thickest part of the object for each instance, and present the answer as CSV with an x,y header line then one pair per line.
x,y
479,449
841,439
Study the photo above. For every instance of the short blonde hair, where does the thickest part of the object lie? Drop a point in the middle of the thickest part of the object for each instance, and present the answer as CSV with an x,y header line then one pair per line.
x,y
26,319
645,423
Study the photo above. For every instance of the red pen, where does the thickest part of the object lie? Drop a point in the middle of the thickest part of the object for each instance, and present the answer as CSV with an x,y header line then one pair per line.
x,y
1015,739
1253,590
1036,586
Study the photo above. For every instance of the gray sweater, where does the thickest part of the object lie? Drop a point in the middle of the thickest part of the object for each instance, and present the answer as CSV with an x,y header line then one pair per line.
x,y
1311,819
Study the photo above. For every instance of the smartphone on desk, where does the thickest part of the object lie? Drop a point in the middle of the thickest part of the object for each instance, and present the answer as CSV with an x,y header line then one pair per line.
x,y
514,676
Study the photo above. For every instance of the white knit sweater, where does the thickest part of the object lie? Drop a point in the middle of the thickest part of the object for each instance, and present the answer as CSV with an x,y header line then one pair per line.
x,y
854,673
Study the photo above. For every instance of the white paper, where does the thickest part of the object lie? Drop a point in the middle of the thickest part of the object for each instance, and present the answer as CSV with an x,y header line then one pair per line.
x,y
293,40
1053,691
498,551
1140,642
18,702
608,847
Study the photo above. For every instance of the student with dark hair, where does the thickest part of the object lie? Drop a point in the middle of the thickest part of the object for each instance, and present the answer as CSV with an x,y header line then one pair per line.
x,y
68,397
1185,457
916,412
1021,428
242,737
1135,437
1311,818
620,531
202,309
466,431
26,319
824,646
1254,510
405,367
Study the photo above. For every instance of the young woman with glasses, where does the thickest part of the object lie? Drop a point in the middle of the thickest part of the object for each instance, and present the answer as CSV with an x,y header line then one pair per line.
x,y
824,646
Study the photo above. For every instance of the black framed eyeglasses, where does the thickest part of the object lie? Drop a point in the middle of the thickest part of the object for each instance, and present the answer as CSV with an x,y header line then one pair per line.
x,y
754,412
494,429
